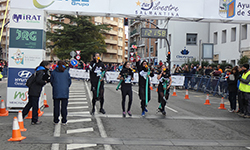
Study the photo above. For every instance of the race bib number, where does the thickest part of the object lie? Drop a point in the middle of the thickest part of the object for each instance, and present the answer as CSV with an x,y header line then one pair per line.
x,y
98,71
128,79
143,74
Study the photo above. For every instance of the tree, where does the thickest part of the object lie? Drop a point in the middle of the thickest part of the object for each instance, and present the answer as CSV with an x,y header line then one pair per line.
x,y
243,60
79,34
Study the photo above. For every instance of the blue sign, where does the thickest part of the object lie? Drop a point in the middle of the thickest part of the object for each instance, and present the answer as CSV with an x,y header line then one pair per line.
x,y
73,62
19,76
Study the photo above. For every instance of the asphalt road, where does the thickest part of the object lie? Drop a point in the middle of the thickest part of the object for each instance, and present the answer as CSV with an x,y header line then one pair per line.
x,y
188,125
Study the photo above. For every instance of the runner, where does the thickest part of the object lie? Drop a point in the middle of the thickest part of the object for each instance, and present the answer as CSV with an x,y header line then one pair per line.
x,y
143,71
96,70
163,88
126,75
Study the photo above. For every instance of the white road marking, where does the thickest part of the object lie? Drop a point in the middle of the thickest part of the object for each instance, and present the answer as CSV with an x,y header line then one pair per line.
x,y
79,120
70,103
79,107
55,146
78,146
248,147
80,130
165,106
99,122
79,113
78,99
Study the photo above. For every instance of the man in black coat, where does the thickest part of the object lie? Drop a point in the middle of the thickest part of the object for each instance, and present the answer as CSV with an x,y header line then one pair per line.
x,y
96,68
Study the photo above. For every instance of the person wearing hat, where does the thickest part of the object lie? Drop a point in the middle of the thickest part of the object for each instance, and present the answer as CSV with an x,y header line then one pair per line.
x,y
245,92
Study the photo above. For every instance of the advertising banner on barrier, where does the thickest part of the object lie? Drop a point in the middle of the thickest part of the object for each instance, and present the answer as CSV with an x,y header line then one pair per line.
x,y
78,73
17,97
27,38
112,76
20,58
19,76
177,80
27,18
195,10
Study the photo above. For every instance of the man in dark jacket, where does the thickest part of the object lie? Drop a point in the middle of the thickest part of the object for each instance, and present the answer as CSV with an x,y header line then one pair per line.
x,y
60,81
35,91
96,69
142,73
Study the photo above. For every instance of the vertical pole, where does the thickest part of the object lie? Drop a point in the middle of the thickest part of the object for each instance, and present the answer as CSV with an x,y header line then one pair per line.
x,y
6,51
200,51
149,47
129,39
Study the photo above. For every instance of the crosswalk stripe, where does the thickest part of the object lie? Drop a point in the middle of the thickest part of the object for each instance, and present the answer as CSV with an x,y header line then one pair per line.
x,y
80,130
78,103
80,107
79,120
78,146
77,99
79,113
78,93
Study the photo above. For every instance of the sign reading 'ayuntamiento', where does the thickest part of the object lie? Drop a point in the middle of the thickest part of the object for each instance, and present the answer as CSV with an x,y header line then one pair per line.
x,y
26,38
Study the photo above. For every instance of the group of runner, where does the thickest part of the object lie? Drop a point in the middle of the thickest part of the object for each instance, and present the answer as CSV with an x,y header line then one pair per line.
x,y
97,73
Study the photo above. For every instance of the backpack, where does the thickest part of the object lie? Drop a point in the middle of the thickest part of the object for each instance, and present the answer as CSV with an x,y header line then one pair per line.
x,y
31,80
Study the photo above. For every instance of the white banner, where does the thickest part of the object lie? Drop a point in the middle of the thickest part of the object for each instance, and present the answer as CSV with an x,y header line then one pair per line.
x,y
27,18
200,10
20,58
78,73
112,76
177,80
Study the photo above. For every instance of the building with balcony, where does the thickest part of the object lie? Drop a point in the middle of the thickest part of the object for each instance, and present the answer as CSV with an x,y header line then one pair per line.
x,y
115,39
146,50
5,35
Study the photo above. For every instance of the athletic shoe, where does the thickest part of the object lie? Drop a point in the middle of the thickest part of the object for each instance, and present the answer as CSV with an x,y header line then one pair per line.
x,y
241,114
124,114
143,114
36,123
55,123
163,113
230,110
159,110
129,113
64,124
145,109
102,111
246,116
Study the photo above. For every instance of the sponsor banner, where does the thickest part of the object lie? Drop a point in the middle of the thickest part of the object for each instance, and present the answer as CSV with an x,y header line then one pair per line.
x,y
177,80
27,18
112,76
219,10
27,38
18,76
25,58
78,73
17,97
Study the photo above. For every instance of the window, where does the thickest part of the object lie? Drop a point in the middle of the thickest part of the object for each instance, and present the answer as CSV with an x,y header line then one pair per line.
x,y
151,49
120,47
111,46
224,36
111,37
169,39
110,56
233,34
244,32
191,39
215,37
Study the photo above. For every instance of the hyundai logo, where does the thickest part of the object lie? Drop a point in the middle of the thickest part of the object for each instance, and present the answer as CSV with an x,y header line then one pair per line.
x,y
24,74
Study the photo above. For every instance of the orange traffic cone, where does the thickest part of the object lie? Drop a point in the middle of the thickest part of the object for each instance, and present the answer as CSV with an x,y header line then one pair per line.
x,y
222,105
156,89
20,121
45,101
40,113
174,93
207,100
16,133
29,115
186,96
151,88
3,111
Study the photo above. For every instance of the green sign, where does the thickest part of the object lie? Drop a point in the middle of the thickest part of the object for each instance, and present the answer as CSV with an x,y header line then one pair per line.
x,y
153,33
27,38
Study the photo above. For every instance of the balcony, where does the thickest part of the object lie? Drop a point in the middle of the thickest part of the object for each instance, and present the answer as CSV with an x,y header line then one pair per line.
x,y
120,24
120,34
119,60
133,22
112,32
4,7
111,22
109,41
120,43
120,52
141,43
110,60
126,55
113,51
134,33
3,1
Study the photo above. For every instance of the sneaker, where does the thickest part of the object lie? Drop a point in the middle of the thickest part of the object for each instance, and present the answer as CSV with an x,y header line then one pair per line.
x,y
145,109
230,110
124,114
102,111
246,116
55,123
36,123
163,113
129,113
64,124
143,114
93,111
241,114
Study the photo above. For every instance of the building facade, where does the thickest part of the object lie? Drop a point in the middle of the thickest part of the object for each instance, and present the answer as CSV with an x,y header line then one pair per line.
x,y
115,39
231,41
5,35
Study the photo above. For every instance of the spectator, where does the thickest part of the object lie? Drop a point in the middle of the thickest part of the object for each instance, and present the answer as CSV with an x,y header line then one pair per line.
x,y
60,81
160,63
232,88
219,69
173,69
187,75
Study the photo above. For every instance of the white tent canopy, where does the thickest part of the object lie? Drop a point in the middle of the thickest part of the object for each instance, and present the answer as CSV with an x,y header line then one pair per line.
x,y
227,11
